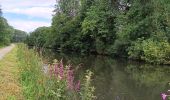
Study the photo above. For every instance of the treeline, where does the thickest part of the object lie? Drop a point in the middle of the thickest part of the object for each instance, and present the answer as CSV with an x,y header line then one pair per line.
x,y
8,34
137,29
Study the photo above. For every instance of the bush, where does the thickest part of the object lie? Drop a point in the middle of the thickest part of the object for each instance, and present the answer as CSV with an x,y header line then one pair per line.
x,y
156,51
150,50
136,51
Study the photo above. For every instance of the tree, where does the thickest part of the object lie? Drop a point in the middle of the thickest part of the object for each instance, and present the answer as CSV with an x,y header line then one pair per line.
x,y
6,32
112,27
38,37
144,23
19,36
99,25
0,11
68,7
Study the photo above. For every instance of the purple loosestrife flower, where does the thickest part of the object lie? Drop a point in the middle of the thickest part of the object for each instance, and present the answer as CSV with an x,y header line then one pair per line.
x,y
77,86
70,79
56,70
61,71
163,95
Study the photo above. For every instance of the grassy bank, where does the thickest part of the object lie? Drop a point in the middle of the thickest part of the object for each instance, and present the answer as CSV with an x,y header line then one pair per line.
x,y
31,76
56,83
10,88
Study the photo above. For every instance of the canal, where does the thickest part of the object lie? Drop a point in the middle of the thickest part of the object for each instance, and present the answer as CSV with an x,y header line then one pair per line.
x,y
119,79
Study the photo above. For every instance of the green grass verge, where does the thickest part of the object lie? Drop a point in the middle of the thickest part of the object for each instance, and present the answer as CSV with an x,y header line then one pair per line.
x,y
57,84
10,88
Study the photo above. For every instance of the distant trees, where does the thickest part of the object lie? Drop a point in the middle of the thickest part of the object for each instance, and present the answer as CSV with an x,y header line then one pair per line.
x,y
0,11
137,29
8,34
19,36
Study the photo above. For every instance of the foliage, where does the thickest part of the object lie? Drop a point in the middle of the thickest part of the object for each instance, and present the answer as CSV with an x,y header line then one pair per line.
x,y
136,50
0,11
62,84
32,79
144,28
151,51
38,37
154,53
6,32
63,27
88,90
113,27
55,81
19,36
99,25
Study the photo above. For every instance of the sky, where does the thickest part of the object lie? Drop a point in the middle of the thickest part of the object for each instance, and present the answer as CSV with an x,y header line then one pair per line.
x,y
28,15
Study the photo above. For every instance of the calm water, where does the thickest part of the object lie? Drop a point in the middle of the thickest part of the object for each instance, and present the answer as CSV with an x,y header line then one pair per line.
x,y
119,79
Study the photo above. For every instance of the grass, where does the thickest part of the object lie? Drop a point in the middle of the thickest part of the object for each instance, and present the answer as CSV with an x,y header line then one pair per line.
x,y
31,75
57,84
10,88
22,78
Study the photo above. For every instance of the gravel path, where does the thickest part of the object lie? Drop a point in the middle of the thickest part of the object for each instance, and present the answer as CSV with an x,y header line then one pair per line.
x,y
5,50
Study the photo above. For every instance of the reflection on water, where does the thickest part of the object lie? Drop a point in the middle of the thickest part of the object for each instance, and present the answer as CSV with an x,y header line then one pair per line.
x,y
118,79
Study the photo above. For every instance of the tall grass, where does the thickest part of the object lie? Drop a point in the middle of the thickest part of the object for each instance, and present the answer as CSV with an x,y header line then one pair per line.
x,y
57,84
31,76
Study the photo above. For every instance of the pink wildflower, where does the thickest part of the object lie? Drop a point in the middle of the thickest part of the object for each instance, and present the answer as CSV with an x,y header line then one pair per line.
x,y
61,71
77,86
70,79
163,95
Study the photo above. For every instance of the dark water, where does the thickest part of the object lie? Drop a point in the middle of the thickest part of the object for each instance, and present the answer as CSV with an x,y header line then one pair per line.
x,y
120,79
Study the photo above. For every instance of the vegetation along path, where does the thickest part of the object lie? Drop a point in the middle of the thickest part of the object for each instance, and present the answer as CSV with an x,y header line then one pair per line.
x,y
9,84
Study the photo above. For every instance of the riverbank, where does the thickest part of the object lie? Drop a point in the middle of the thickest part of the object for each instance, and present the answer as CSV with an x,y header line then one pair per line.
x,y
9,77
56,82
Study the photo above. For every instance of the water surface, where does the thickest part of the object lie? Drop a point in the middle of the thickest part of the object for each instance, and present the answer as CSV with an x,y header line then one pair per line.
x,y
119,79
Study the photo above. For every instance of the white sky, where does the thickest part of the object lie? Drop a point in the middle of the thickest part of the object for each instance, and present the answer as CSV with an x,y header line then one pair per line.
x,y
27,15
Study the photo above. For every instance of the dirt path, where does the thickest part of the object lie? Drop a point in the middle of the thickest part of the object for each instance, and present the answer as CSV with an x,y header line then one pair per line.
x,y
5,50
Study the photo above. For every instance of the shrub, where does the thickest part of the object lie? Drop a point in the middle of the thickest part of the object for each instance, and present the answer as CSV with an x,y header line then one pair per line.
x,y
156,51
135,51
150,50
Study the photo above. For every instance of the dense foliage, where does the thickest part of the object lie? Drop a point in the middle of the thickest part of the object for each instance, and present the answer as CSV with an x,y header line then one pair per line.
x,y
137,29
6,32
38,37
